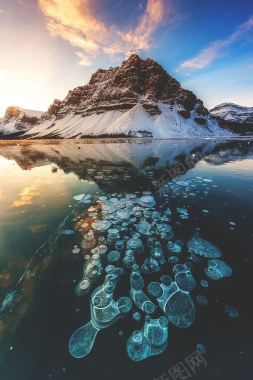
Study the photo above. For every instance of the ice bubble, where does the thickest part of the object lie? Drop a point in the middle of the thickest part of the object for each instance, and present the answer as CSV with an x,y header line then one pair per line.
x,y
113,235
108,209
143,227
131,196
120,245
129,259
150,265
147,201
204,283
88,241
165,231
79,197
218,269
137,294
100,249
109,268
155,289
122,215
201,348
101,240
173,260
166,280
102,198
155,215
164,218
68,232
231,311
201,300
184,277
151,340
101,225
135,245
176,247
113,257
182,183
137,316
203,248
157,253
84,286
75,250
182,211
168,212
104,312
177,305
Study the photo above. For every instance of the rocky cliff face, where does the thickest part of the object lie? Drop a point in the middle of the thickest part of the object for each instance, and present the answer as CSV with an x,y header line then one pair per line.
x,y
121,88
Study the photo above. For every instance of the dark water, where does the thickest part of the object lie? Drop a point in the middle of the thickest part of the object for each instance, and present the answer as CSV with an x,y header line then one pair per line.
x,y
212,179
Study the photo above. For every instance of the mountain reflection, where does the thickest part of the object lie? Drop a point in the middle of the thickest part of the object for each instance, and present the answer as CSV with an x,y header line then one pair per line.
x,y
128,165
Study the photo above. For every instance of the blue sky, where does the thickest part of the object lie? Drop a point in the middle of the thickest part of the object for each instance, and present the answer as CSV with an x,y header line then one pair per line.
x,y
50,46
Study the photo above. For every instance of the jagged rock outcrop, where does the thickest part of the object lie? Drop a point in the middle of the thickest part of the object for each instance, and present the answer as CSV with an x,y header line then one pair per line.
x,y
122,88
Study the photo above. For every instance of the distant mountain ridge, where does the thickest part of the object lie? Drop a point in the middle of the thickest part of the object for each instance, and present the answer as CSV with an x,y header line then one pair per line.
x,y
17,120
234,117
138,98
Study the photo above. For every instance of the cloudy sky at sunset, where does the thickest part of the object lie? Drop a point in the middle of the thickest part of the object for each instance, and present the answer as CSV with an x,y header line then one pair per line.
x,y
50,46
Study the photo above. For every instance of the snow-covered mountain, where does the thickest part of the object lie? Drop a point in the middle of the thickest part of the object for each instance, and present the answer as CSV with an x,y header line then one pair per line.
x,y
138,98
17,120
233,116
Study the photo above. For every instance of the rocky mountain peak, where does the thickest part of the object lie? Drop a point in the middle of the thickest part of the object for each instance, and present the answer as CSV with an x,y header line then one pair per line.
x,y
136,81
11,112
17,120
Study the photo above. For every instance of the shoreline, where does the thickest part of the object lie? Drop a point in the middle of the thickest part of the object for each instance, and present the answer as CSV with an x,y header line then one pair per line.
x,y
116,140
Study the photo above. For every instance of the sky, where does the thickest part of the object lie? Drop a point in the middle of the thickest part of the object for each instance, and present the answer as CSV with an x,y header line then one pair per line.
x,y
48,47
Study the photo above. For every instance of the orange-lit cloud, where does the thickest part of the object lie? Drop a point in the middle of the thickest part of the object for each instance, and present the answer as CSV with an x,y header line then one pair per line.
x,y
26,197
76,22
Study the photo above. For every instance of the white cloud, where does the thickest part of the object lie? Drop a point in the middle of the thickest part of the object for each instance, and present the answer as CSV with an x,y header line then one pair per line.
x,y
216,48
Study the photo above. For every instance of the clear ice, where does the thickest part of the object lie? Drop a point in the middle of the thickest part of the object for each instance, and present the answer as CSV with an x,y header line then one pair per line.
x,y
151,340
132,237
140,299
104,312
177,304
201,247
218,269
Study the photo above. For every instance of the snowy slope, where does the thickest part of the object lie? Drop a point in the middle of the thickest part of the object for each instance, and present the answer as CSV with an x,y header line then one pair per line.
x,y
32,113
135,121
18,120
233,113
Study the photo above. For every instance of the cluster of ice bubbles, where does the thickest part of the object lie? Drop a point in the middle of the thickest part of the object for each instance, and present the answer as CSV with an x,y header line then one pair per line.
x,y
129,236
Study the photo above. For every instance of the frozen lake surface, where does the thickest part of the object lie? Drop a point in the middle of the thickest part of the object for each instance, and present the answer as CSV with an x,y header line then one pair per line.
x,y
126,259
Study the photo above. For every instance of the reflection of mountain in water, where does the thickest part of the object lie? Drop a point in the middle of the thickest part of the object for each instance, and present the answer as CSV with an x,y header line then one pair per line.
x,y
117,166
230,151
